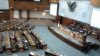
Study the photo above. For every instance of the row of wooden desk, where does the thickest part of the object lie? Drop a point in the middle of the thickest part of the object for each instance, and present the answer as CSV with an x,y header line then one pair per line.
x,y
31,42
20,44
42,43
13,41
7,42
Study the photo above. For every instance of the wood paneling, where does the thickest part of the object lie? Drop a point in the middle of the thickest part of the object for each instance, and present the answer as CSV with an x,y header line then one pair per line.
x,y
67,21
23,5
54,1
1,16
27,5
11,5
63,20
4,16
95,3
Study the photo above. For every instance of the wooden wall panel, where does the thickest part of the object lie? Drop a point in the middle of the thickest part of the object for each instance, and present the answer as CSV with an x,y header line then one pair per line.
x,y
95,3
1,16
63,20
54,1
23,5
11,3
67,21
7,15
4,16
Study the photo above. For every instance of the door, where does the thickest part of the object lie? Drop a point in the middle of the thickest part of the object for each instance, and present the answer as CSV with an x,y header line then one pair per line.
x,y
16,14
24,14
1,16
31,14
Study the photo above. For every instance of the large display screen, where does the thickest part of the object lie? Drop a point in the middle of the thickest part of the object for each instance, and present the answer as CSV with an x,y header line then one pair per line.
x,y
95,19
4,4
76,10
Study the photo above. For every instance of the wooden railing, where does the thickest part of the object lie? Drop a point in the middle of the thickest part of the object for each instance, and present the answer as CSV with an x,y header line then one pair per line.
x,y
67,40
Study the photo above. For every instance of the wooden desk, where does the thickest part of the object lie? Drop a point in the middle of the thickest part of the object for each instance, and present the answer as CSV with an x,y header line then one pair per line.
x,y
72,34
32,43
79,37
20,45
65,30
40,40
7,42
73,44
13,41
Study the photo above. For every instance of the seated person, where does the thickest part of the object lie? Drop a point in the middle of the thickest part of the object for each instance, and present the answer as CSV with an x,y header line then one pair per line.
x,y
98,35
81,30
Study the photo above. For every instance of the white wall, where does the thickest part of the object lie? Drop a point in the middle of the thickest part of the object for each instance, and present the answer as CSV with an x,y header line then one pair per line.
x,y
41,14
24,14
31,14
82,12
95,19
53,9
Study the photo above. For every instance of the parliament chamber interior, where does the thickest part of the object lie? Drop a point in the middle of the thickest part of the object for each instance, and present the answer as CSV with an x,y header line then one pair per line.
x,y
49,28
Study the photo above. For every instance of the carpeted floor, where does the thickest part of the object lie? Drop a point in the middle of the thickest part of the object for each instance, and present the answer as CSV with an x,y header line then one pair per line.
x,y
54,44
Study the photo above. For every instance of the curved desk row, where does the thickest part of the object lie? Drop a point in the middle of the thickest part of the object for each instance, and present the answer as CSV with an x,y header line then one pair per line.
x,y
75,39
66,40
74,35
81,37
10,41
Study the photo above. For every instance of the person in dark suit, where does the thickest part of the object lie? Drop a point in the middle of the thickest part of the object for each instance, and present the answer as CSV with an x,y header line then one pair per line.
x,y
98,35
